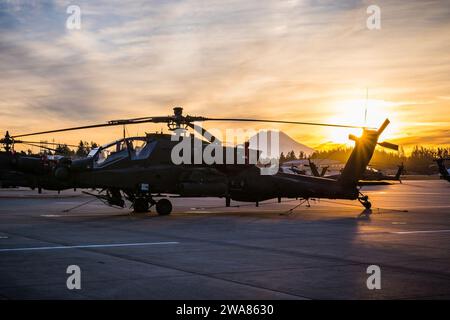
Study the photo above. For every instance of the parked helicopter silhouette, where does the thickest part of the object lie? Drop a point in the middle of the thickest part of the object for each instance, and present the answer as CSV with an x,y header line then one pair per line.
x,y
315,170
445,173
370,176
140,169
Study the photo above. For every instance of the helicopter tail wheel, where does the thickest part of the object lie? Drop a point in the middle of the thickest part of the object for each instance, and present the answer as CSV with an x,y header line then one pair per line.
x,y
140,205
163,207
367,205
364,200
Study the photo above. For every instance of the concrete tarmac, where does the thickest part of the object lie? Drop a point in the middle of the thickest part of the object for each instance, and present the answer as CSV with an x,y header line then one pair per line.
x,y
206,251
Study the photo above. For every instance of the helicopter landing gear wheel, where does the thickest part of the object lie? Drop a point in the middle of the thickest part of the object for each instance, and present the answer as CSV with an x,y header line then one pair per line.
x,y
140,205
364,200
163,207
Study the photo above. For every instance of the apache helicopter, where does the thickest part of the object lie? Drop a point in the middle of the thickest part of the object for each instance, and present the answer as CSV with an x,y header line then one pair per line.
x,y
370,176
140,169
9,161
445,173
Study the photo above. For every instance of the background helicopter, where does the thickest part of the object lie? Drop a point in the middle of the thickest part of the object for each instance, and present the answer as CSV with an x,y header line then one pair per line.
x,y
370,176
140,169
445,173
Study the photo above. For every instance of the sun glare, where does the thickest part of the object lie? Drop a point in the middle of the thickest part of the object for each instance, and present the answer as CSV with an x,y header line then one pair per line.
x,y
352,112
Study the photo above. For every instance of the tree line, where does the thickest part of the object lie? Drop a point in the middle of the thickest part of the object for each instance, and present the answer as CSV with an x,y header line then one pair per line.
x,y
420,161
291,156
81,151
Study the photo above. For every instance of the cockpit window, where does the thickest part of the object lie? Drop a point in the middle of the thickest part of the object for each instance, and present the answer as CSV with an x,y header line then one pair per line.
x,y
141,149
137,146
112,152
92,152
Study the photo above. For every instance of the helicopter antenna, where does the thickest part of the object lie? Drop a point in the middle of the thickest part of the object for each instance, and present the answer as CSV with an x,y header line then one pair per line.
x,y
365,107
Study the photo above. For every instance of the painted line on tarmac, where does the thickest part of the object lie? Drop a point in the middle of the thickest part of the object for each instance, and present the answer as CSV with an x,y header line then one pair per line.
x,y
68,215
420,231
201,211
90,246
427,207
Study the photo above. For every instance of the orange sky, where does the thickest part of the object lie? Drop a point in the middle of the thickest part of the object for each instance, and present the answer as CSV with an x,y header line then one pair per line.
x,y
288,60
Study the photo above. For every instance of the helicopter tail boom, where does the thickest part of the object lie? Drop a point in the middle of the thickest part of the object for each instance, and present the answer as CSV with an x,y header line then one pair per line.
x,y
361,155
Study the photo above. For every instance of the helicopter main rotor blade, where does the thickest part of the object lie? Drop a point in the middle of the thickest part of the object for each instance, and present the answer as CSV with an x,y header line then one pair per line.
x,y
141,120
44,143
108,124
204,133
179,119
41,147
66,129
287,122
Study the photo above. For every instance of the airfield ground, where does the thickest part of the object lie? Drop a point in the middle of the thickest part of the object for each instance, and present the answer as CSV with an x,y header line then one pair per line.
x,y
205,251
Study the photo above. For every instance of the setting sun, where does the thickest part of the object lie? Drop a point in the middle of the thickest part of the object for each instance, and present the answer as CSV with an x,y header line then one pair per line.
x,y
353,112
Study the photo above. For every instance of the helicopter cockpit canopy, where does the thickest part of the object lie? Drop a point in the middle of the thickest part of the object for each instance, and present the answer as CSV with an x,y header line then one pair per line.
x,y
141,148
138,148
111,152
